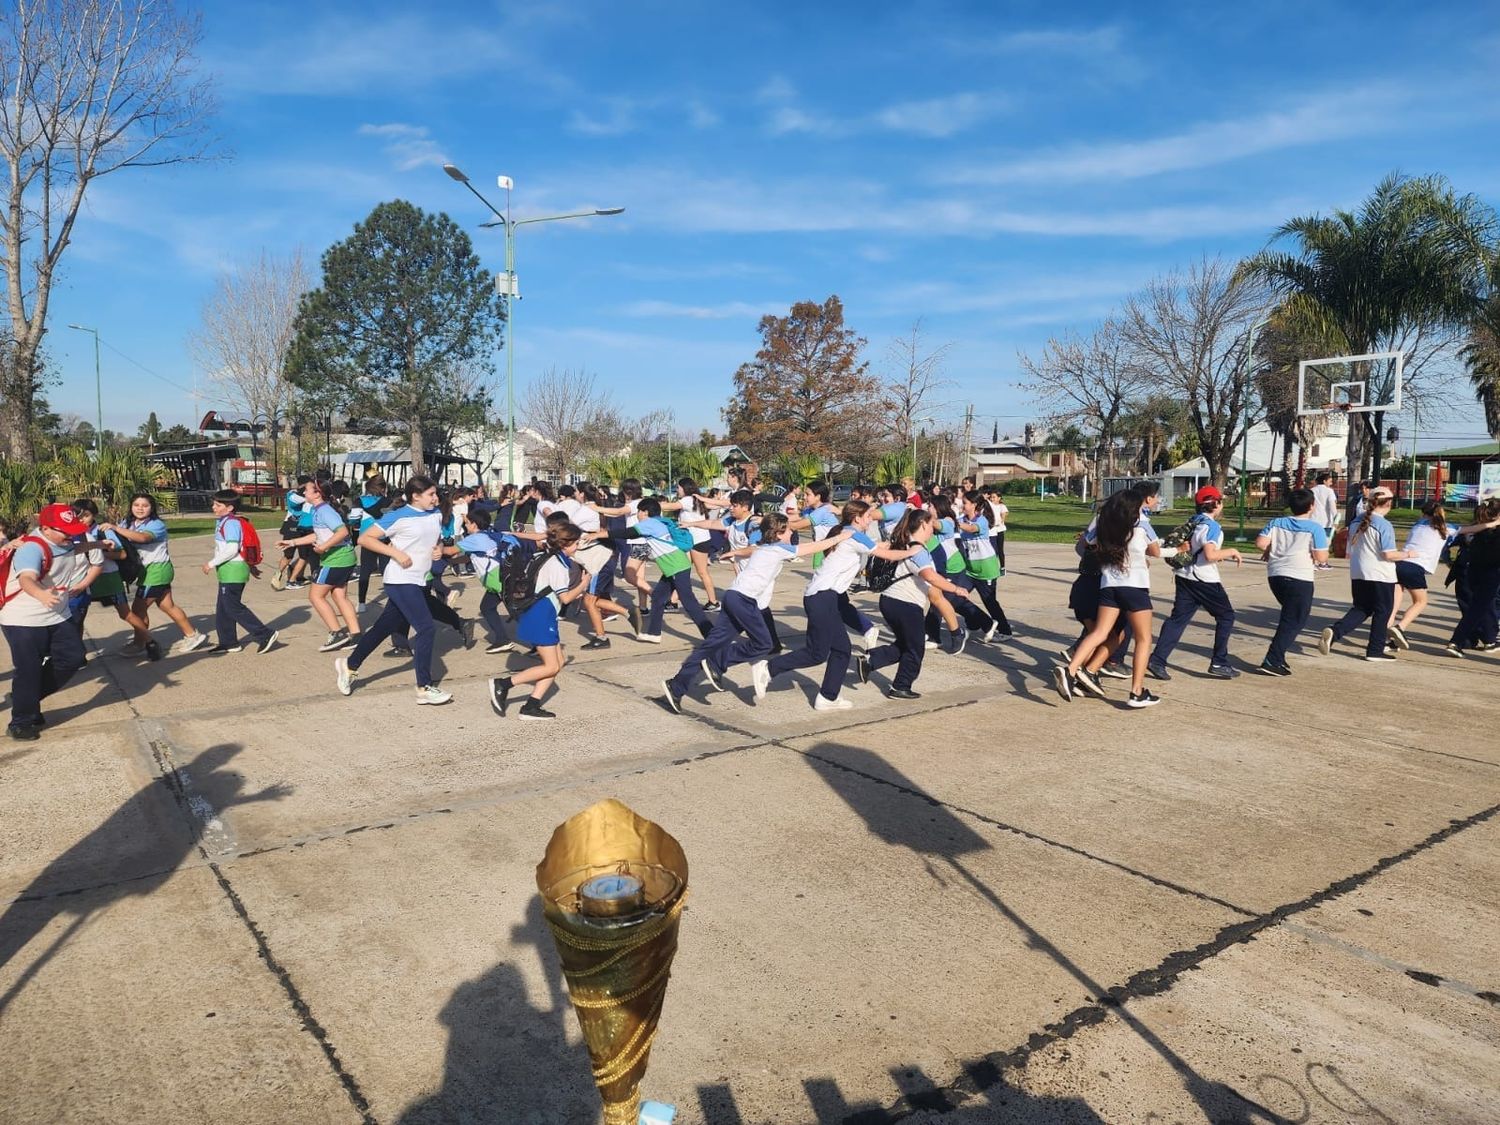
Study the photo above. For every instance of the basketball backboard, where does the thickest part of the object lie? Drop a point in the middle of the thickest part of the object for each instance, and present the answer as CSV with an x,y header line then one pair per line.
x,y
1354,384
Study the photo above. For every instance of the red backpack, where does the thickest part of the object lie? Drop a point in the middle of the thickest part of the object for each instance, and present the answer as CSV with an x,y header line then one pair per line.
x,y
10,557
249,541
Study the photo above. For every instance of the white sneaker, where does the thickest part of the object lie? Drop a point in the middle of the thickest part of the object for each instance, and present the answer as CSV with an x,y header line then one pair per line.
x,y
432,694
822,704
649,638
191,643
346,675
760,677
452,599
1325,642
872,637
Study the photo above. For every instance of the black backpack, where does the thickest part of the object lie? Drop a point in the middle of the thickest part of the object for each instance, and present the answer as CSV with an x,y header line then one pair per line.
x,y
131,569
518,580
880,575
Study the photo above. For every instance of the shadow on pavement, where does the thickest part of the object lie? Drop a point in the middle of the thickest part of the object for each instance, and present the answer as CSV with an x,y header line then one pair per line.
x,y
507,1058
206,792
931,830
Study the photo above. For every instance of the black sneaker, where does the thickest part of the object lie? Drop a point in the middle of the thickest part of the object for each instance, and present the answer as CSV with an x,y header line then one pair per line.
x,y
1145,699
957,640
1086,680
1063,682
499,693
713,677
902,693
596,642
1454,651
776,648
1158,671
396,652
710,605
224,649
862,667
1381,657
268,644
531,709
469,628
1113,671
1223,672
24,732
153,650
671,697
637,621
1271,669
1398,637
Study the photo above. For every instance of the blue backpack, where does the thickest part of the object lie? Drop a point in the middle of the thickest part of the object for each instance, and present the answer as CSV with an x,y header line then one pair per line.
x,y
682,538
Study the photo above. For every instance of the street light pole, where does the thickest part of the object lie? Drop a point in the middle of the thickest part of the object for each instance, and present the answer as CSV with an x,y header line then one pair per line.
x,y
511,291
98,391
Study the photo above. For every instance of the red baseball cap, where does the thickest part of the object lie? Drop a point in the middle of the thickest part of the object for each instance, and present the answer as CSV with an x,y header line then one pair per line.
x,y
1206,493
62,517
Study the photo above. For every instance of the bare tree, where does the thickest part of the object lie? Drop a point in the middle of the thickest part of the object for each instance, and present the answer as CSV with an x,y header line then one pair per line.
x,y
574,417
1089,383
1189,335
90,87
916,376
247,331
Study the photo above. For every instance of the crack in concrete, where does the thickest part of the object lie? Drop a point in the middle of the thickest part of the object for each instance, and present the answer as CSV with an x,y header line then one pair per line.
x,y
201,821
1364,954
981,1075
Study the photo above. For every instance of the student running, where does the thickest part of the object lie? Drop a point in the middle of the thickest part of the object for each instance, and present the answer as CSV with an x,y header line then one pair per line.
x,y
334,550
144,527
408,538
1372,577
1293,548
233,572
550,590
745,612
1122,546
1197,586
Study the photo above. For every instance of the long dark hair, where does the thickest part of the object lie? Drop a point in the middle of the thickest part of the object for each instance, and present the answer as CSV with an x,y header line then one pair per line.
x,y
942,507
852,510
902,535
1438,518
1117,522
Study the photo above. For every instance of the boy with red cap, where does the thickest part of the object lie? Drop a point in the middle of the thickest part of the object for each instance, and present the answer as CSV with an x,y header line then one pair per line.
x,y
44,646
1197,585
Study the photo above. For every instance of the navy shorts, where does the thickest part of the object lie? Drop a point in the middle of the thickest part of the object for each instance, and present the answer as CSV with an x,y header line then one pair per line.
x,y
538,625
1127,599
337,576
150,593
1411,576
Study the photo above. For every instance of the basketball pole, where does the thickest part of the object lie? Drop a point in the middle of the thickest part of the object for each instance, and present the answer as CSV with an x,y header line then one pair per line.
x,y
1245,446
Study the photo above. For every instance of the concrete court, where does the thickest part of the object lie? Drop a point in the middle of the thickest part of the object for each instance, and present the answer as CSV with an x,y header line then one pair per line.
x,y
228,894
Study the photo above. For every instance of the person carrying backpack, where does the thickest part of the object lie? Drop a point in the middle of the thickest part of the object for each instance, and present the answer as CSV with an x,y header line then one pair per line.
x,y
235,559
671,558
537,599
1198,586
45,648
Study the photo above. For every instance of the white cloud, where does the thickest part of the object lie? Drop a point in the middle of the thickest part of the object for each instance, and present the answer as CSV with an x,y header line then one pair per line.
x,y
777,88
331,54
940,117
1057,41
1356,112
730,310
617,119
700,116
410,146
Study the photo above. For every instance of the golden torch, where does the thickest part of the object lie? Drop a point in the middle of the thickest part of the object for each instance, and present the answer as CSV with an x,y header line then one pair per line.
x,y
613,886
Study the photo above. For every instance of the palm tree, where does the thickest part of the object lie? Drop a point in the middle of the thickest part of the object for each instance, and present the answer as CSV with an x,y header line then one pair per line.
x,y
1410,261
1068,441
700,463
616,467
1481,354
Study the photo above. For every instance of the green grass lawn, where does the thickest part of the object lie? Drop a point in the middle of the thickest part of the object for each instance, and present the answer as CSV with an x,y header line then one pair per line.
x,y
263,519
1058,519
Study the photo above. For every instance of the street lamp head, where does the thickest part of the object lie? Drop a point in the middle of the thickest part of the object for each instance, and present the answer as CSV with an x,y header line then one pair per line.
x,y
454,173
81,327
609,210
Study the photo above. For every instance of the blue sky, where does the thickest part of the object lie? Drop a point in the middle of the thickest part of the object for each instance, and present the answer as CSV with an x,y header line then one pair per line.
x,y
1003,172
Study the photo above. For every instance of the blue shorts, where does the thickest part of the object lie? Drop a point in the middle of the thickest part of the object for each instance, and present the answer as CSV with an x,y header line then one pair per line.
x,y
151,593
538,625
117,598
1127,599
337,576
1411,576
